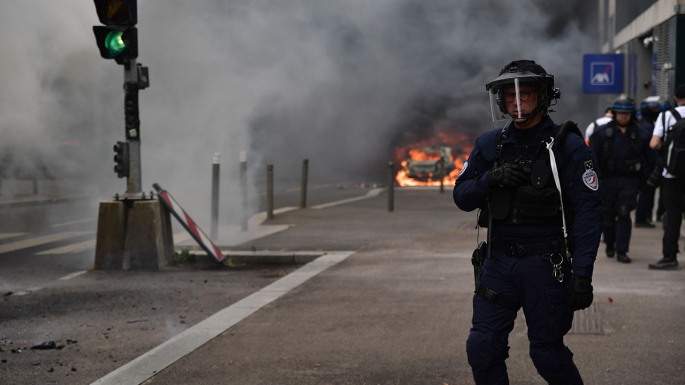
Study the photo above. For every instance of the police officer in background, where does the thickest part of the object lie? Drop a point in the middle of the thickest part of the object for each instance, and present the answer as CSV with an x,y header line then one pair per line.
x,y
649,111
513,176
621,151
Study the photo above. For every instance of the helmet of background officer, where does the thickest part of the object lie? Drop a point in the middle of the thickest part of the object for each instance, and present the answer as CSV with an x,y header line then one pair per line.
x,y
664,105
623,110
649,108
522,90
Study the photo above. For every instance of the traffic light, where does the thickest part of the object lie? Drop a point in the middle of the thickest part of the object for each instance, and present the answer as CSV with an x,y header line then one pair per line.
x,y
118,39
121,159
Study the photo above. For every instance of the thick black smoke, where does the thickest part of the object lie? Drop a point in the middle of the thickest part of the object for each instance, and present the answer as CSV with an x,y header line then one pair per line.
x,y
402,67
337,82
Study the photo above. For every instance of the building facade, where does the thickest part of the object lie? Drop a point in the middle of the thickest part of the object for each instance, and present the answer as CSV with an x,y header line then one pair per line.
x,y
651,36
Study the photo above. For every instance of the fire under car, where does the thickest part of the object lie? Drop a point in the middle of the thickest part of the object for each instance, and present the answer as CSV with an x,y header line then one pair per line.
x,y
425,163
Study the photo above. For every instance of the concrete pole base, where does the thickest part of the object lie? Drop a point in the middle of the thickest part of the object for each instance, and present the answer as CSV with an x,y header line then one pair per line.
x,y
133,235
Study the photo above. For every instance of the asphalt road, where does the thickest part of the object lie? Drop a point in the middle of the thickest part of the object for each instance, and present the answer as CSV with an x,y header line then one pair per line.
x,y
43,241
395,310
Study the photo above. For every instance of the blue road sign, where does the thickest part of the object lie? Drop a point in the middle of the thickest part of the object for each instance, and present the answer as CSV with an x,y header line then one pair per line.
x,y
603,73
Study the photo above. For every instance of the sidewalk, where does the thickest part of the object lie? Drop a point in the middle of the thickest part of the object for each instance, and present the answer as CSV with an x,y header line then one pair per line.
x,y
390,303
398,312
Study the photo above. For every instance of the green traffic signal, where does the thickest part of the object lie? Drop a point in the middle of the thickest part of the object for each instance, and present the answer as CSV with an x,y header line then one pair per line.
x,y
114,44
118,43
118,38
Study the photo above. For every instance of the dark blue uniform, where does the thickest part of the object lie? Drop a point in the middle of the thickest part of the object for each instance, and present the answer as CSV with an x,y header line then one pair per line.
x,y
528,279
620,158
645,200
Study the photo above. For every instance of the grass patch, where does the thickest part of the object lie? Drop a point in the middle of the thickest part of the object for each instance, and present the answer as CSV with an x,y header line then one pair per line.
x,y
183,257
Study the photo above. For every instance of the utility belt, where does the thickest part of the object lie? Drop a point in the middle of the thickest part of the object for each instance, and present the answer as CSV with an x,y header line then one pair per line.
x,y
630,167
518,248
515,249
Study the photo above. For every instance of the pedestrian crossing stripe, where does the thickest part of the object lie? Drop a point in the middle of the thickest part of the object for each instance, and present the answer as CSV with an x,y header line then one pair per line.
x,y
11,235
71,249
67,249
41,240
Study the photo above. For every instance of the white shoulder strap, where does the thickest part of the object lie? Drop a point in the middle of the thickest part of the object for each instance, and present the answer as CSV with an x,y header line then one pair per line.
x,y
555,173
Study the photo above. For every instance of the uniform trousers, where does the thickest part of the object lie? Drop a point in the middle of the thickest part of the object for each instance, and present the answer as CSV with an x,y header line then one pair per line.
x,y
529,281
619,198
673,190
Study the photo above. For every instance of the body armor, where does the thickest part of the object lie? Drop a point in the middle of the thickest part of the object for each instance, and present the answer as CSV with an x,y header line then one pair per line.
x,y
535,203
632,163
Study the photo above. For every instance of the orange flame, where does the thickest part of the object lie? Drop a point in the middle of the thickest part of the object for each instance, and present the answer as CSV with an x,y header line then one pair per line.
x,y
460,144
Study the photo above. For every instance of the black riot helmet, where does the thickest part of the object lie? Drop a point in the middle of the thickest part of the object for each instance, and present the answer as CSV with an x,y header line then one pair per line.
x,y
523,72
650,108
624,104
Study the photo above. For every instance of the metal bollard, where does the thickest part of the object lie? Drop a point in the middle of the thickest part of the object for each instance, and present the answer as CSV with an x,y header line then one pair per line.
x,y
216,160
441,165
270,191
243,189
391,187
303,186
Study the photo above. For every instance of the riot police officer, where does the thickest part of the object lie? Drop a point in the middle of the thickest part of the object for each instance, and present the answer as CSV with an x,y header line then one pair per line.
x,y
649,111
621,150
537,192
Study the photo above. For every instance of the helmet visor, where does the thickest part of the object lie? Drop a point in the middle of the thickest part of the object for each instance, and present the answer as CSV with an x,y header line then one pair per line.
x,y
498,102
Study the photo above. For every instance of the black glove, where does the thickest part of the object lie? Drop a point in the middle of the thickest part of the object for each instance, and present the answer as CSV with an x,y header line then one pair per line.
x,y
509,175
580,292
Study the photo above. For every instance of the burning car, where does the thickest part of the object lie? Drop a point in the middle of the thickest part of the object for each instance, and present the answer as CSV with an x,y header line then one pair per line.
x,y
429,163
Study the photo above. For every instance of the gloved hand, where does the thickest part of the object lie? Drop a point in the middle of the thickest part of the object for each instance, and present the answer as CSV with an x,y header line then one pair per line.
x,y
580,292
509,175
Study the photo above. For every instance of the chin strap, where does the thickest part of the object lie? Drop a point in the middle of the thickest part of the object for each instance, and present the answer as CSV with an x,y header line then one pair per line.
x,y
527,116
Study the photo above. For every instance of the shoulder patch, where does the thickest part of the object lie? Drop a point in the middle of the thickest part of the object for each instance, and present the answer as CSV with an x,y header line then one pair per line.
x,y
588,165
590,180
466,164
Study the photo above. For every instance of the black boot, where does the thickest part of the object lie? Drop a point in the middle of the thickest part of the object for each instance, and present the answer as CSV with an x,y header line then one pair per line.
x,y
668,262
610,251
623,258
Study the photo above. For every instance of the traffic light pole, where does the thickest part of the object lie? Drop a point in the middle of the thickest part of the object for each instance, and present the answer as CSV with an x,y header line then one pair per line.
x,y
133,232
134,180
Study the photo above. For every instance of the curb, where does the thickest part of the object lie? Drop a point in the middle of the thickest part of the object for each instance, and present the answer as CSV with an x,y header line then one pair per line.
x,y
266,257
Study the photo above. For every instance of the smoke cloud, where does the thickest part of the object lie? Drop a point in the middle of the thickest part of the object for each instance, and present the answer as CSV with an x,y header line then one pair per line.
x,y
340,83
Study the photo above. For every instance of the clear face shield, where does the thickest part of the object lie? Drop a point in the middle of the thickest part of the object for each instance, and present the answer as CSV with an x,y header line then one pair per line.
x,y
497,114
513,89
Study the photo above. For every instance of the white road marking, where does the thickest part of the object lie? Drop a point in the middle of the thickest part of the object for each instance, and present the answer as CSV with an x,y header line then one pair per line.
x,y
373,193
72,275
154,361
11,235
70,249
41,240
27,291
73,222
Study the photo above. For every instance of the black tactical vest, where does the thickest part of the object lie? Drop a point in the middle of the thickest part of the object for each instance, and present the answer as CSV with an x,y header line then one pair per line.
x,y
537,202
632,163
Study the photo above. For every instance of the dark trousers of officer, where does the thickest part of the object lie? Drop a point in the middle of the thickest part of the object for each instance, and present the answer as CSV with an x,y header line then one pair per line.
x,y
673,190
619,198
529,281
661,207
645,206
